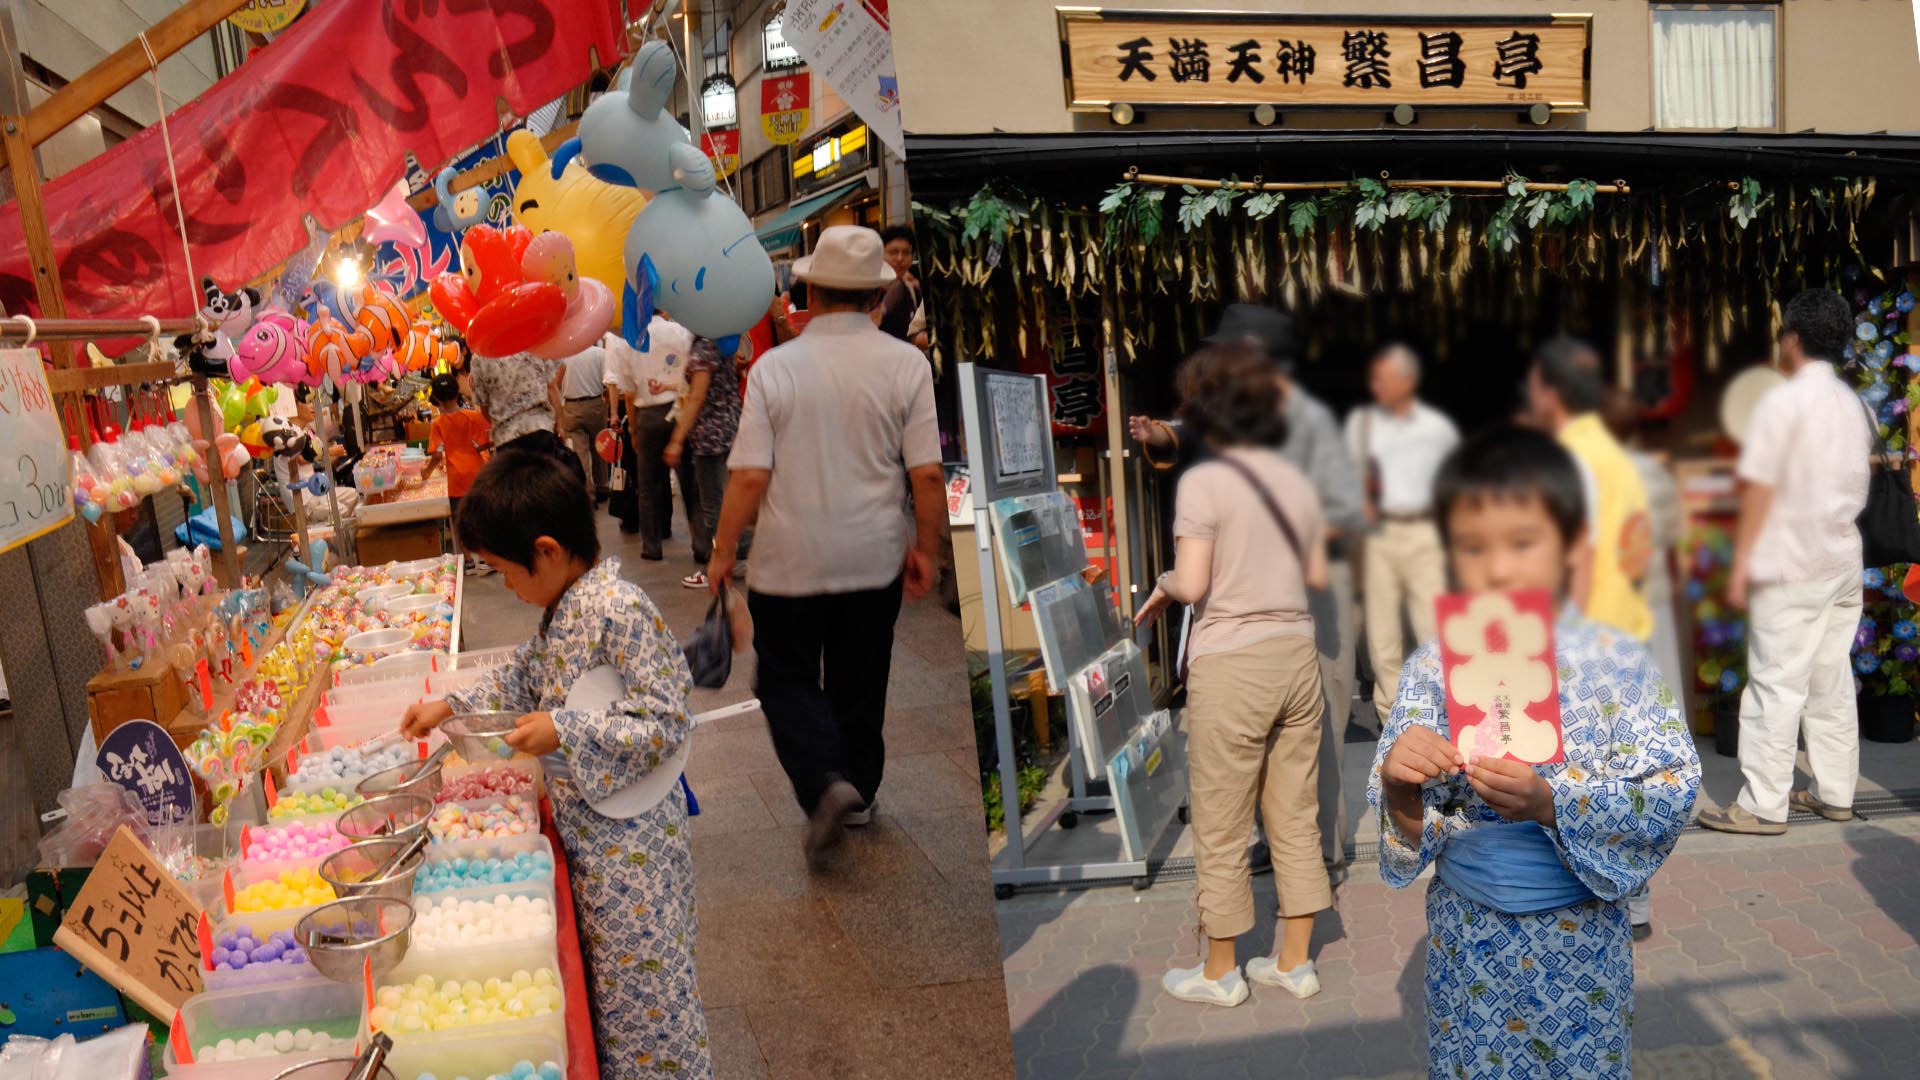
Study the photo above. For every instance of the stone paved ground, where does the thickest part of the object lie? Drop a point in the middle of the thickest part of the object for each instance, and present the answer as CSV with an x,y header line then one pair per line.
x,y
1791,957
889,959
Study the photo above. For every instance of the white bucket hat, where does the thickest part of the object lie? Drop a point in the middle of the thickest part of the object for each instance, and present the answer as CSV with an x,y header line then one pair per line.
x,y
847,257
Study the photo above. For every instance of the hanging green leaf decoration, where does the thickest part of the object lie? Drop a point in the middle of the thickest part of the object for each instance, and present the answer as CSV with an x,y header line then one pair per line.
x,y
1260,206
1302,216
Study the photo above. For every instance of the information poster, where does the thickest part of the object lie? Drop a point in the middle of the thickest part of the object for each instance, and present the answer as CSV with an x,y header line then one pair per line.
x,y
853,51
34,495
140,756
1018,444
135,927
1503,694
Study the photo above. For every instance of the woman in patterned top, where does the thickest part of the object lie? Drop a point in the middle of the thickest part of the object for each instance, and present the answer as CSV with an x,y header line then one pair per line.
x,y
632,876
511,392
1530,955
709,419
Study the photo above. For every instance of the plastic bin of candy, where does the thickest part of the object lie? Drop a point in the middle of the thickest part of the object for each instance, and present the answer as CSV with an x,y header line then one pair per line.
x,y
282,960
385,692
412,666
197,856
473,819
374,475
253,893
484,916
464,864
456,1052
521,980
327,804
467,781
215,1022
341,767
294,843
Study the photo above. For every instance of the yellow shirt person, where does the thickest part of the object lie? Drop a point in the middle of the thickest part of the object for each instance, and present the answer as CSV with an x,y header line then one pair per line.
x,y
1621,531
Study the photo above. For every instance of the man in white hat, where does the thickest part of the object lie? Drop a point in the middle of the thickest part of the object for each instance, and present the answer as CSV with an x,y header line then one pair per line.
x,y
838,423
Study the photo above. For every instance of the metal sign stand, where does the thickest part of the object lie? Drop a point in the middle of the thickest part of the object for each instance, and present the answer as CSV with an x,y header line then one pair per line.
x,y
984,454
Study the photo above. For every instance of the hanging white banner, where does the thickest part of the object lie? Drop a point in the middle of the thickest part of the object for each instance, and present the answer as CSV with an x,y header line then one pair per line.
x,y
34,496
853,51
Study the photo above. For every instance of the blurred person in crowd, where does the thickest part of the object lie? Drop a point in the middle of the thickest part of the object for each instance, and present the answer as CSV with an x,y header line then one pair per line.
x,y
1399,442
1249,542
703,436
457,438
1566,392
579,394
1796,568
1314,446
838,426
651,380
1666,519
1529,964
512,393
902,300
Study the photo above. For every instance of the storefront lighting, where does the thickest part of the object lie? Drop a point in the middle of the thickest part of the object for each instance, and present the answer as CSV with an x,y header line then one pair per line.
x,y
1265,114
1404,115
719,101
1122,114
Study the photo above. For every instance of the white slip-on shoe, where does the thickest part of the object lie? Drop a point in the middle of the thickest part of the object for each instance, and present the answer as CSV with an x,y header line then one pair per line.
x,y
1301,982
1192,984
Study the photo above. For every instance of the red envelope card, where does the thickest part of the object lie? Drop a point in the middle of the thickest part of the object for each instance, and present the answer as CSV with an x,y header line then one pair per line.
x,y
1503,687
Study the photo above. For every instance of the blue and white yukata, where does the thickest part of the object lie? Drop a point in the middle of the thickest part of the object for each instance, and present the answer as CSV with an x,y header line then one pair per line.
x,y
632,879
1547,994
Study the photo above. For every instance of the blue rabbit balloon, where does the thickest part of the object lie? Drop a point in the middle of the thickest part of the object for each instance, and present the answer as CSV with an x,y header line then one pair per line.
x,y
693,252
625,132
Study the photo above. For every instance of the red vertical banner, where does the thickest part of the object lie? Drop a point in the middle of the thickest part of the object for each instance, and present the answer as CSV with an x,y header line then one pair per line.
x,y
723,149
786,106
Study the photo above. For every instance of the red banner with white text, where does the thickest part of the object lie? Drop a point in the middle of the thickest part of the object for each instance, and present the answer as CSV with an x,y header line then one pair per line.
x,y
316,123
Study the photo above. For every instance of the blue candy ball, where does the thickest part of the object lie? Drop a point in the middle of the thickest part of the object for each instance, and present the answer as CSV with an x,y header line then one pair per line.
x,y
522,1070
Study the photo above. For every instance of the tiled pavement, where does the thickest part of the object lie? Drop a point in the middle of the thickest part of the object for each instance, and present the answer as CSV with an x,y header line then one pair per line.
x,y
1788,957
886,967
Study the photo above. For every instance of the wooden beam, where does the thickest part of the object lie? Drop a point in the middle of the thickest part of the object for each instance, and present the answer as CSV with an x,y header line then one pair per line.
x,y
86,380
124,65
490,169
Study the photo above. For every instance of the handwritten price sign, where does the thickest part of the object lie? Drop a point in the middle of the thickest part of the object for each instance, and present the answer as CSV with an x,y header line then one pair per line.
x,y
34,496
136,928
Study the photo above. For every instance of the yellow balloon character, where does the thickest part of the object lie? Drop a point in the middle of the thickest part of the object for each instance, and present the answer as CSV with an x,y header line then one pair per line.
x,y
593,214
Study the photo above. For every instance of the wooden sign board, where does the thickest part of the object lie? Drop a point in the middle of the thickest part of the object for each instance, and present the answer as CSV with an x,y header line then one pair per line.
x,y
135,927
1240,60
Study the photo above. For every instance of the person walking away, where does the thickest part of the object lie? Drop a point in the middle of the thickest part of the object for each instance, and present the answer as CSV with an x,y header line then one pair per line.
x,y
651,379
512,393
894,314
838,427
1666,520
1399,442
580,387
702,438
1314,446
1249,541
1529,957
1566,393
633,888
457,438
1796,569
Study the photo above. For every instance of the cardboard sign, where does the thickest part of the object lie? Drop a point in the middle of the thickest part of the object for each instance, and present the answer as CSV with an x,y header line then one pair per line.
x,y
34,496
140,756
135,927
1503,686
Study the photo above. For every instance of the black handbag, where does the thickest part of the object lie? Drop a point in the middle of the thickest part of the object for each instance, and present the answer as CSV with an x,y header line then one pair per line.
x,y
1890,523
710,650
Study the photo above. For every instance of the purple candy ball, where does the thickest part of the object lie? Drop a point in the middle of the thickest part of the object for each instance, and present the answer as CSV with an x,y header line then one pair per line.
x,y
220,954
223,966
239,960
226,940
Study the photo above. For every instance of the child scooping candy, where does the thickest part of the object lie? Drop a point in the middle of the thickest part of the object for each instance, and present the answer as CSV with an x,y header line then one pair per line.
x,y
531,519
1529,965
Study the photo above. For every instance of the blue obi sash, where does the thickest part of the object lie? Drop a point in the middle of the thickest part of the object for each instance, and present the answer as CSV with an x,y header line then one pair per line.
x,y
1510,866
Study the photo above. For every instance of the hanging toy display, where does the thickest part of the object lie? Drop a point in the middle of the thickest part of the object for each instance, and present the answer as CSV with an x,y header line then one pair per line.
x,y
693,250
625,132
328,356
590,212
274,349
589,303
457,211
425,350
491,301
392,220
90,492
209,352
381,323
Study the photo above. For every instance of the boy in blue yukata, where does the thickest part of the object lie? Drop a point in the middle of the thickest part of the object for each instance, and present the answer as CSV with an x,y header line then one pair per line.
x,y
530,518
1530,955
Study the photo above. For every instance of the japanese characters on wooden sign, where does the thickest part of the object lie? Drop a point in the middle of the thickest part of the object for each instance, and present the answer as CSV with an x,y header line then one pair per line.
x,y
1310,61
135,927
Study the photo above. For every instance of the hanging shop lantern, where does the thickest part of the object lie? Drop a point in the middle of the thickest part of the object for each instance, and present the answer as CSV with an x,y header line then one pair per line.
x,y
719,101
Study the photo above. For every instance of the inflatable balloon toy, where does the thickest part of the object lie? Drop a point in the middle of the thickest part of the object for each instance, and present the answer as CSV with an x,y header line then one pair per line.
x,y
391,220
310,573
380,322
623,133
328,356
425,351
693,251
274,349
290,292
593,214
589,309
210,352
491,301
458,211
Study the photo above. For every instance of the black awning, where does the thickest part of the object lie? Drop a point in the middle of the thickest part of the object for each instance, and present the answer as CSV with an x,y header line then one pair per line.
x,y
1643,159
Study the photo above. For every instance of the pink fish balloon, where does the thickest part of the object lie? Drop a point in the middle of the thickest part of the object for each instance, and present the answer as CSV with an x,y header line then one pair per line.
x,y
274,349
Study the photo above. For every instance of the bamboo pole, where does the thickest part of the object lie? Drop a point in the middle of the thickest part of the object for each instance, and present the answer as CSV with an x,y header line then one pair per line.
x,y
19,326
1618,187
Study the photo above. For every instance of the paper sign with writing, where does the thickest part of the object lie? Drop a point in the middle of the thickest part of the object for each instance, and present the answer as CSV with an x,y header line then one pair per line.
x,y
853,50
140,756
1503,687
136,927
34,496
1205,58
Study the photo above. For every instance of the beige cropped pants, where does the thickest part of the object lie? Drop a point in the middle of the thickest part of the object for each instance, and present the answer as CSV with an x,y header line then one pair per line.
x,y
1253,738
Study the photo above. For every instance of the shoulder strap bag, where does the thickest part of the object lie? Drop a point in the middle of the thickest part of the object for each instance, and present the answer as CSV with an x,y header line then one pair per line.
x,y
1890,522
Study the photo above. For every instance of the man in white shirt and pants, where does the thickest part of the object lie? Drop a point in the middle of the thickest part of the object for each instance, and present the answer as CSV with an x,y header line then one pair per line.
x,y
838,425
652,379
580,405
1796,567
1399,442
